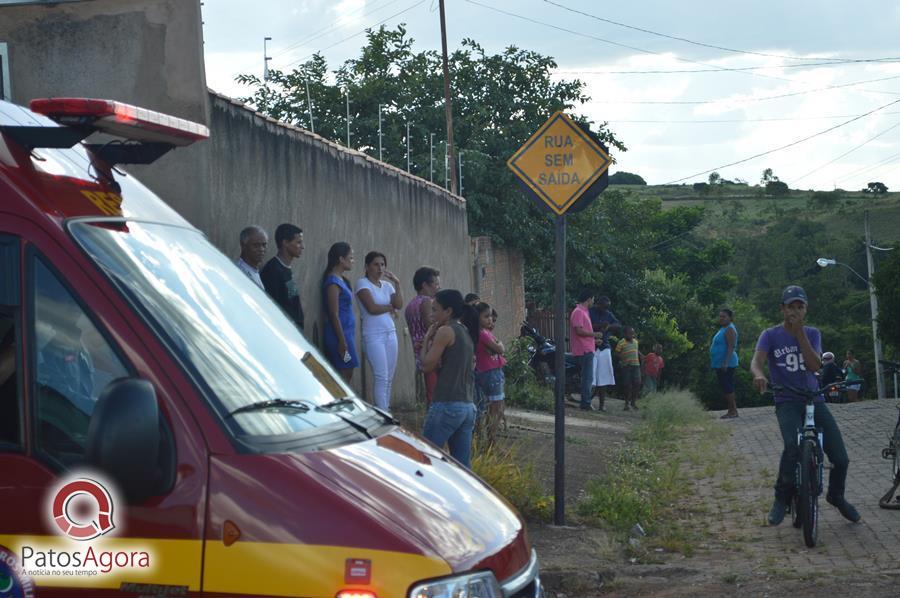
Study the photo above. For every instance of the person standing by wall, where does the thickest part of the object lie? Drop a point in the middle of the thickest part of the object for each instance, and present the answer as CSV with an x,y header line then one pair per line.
x,y
652,369
723,359
582,339
254,242
852,368
630,359
426,282
277,276
489,364
605,322
449,348
339,332
379,296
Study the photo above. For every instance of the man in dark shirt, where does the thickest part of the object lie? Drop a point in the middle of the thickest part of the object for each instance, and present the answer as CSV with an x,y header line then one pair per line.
x,y
277,276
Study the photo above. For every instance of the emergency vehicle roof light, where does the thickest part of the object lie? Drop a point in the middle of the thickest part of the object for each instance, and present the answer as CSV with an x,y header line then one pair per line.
x,y
121,120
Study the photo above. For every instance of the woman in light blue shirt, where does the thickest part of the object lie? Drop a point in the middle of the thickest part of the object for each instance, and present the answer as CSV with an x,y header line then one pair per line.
x,y
723,358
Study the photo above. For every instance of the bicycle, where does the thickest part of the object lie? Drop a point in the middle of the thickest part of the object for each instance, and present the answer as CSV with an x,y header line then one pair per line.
x,y
804,505
889,501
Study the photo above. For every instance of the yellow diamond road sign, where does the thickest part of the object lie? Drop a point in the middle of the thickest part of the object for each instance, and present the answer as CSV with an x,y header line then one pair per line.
x,y
560,162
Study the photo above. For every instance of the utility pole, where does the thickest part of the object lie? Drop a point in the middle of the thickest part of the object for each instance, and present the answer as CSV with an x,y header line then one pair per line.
x,y
873,302
448,106
407,146
431,157
347,95
447,162
312,126
266,59
460,174
379,131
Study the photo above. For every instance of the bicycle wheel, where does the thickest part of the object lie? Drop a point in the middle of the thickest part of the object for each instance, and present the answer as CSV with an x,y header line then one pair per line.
x,y
809,492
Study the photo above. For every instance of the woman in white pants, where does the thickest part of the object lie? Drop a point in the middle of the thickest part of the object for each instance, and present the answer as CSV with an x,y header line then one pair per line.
x,y
379,296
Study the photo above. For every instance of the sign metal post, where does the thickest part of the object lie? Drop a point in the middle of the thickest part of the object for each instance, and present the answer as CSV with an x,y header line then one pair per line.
x,y
562,167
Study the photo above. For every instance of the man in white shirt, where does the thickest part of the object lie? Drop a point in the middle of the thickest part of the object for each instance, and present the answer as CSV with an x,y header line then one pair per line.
x,y
254,241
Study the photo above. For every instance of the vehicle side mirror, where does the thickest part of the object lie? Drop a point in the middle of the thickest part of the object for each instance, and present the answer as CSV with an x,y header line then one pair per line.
x,y
127,440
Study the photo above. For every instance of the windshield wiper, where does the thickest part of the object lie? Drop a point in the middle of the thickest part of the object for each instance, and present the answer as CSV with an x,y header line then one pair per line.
x,y
337,403
276,403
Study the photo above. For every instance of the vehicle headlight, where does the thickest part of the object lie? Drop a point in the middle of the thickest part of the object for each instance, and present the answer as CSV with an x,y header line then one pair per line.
x,y
476,585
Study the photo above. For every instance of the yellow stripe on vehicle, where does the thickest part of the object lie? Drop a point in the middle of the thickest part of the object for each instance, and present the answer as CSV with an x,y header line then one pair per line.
x,y
243,568
172,562
311,570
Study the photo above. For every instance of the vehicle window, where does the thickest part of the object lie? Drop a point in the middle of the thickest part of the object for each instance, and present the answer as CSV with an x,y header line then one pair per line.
x,y
10,394
227,332
72,365
10,397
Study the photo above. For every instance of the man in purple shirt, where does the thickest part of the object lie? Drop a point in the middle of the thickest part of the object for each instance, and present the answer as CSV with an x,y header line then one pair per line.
x,y
792,351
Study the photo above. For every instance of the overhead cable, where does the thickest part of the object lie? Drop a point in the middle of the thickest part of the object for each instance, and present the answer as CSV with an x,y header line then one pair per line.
x,y
786,146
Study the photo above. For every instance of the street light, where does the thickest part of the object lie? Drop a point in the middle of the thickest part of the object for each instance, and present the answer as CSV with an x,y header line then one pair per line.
x,y
873,304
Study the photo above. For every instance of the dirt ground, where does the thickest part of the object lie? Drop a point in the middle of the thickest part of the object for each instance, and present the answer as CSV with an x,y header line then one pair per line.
x,y
734,551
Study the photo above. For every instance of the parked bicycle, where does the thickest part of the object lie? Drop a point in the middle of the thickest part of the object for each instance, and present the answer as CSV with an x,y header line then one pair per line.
x,y
804,505
889,500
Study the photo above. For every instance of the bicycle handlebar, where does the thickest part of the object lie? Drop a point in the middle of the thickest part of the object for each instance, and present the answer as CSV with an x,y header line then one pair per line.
x,y
803,392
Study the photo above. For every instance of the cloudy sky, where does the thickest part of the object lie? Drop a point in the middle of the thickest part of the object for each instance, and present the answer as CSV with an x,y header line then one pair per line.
x,y
752,77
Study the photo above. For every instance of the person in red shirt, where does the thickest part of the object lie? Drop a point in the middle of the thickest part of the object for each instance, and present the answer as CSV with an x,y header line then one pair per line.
x,y
582,339
653,365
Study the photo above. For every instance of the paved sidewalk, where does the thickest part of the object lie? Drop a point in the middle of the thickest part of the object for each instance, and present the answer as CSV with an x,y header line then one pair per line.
x,y
872,545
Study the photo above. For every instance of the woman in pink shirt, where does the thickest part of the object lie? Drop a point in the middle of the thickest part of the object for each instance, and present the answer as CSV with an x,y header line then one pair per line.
x,y
489,364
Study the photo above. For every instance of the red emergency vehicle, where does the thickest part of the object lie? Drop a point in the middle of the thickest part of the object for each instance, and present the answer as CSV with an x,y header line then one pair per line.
x,y
239,462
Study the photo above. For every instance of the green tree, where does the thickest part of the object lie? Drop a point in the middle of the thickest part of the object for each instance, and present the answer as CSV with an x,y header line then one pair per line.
x,y
887,289
626,178
714,178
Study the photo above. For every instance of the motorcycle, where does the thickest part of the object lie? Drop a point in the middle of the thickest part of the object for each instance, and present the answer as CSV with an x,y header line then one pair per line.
x,y
542,359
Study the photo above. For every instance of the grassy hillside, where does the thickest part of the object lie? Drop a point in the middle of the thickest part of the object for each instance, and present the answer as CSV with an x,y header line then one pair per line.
x,y
745,210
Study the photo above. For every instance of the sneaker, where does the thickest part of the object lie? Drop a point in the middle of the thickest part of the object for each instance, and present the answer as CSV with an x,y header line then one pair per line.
x,y
776,513
847,510
627,407
729,416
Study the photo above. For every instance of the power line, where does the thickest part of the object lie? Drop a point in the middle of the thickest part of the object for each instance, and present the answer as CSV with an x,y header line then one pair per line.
x,y
848,152
381,22
619,44
875,166
332,26
760,99
742,68
686,40
735,120
777,149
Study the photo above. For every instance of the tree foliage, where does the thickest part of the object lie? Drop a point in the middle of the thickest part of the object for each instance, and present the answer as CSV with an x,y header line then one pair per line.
x,y
626,178
887,289
876,188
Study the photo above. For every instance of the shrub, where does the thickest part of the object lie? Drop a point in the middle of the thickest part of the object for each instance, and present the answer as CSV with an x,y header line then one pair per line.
x,y
503,469
522,386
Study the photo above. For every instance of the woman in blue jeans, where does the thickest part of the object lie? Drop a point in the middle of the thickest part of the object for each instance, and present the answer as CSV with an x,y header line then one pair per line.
x,y
449,348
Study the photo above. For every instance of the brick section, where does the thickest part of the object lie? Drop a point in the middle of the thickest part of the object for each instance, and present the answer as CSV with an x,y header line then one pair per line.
x,y
498,274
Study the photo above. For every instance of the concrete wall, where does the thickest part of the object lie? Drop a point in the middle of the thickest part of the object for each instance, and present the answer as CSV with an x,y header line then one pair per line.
x,y
498,274
143,52
264,172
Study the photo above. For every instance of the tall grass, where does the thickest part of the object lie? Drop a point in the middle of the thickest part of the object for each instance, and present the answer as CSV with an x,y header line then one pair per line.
x,y
644,483
504,469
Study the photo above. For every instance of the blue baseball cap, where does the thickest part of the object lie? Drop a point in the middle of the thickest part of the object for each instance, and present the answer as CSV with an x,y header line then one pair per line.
x,y
793,293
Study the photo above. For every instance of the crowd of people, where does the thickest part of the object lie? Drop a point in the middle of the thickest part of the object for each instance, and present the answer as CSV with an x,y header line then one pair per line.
x,y
591,324
459,359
